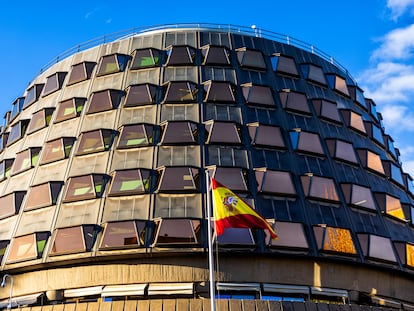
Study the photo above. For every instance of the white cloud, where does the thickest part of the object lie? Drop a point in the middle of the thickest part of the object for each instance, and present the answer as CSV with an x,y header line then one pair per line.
x,y
398,117
397,44
399,7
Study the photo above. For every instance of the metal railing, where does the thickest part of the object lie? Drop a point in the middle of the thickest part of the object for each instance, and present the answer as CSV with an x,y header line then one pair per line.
x,y
252,31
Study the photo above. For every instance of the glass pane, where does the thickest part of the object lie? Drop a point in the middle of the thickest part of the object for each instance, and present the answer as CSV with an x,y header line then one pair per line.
x,y
142,94
345,151
319,188
146,58
57,149
9,206
215,55
233,178
309,142
283,64
121,234
316,74
251,59
81,72
17,131
38,121
54,82
362,197
5,168
258,95
68,240
179,132
104,100
381,248
180,92
289,235
374,162
393,207
109,64
410,254
135,135
178,231
80,188
340,85
39,196
219,92
294,101
25,160
130,182
275,182
337,240
327,110
95,141
236,236
180,55
178,179
223,132
69,109
356,122
23,248
264,135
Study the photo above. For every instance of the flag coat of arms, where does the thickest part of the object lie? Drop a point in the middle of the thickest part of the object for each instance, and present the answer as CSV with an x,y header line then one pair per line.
x,y
230,211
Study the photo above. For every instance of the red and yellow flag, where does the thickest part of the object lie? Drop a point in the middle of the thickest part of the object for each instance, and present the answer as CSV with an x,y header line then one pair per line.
x,y
230,211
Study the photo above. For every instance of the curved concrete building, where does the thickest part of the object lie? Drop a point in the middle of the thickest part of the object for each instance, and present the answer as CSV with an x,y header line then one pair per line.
x,y
103,193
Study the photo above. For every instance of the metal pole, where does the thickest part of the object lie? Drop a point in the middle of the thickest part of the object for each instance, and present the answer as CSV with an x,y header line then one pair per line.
x,y
210,245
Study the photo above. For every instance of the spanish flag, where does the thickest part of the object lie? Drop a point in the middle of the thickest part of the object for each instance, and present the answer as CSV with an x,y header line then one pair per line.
x,y
230,211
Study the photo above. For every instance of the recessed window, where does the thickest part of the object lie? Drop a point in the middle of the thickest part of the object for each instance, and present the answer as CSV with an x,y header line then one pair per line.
x,y
175,132
128,182
25,160
284,64
104,100
136,135
327,110
3,140
54,83
81,72
226,156
223,132
28,247
17,131
5,168
306,142
74,239
57,149
173,179
338,84
178,205
393,171
354,121
371,161
85,187
341,150
180,55
219,91
146,58
358,196
376,247
180,92
258,95
177,112
333,239
179,155
406,253
390,147
372,107
95,141
234,178
112,64
178,232
69,109
319,188
265,135
43,195
32,94
17,107
390,205
140,94
375,133
290,235
294,101
11,203
215,55
274,182
123,234
250,59
40,119
313,73
357,95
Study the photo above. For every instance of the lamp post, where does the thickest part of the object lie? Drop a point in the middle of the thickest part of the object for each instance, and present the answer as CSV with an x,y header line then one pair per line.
x,y
3,284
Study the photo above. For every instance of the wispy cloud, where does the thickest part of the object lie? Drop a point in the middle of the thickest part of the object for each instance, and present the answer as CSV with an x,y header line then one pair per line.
x,y
389,80
400,7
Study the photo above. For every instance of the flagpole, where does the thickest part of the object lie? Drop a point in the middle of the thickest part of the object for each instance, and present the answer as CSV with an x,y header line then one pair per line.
x,y
210,245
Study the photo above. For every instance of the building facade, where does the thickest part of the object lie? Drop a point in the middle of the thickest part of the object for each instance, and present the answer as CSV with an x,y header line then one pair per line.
x,y
103,169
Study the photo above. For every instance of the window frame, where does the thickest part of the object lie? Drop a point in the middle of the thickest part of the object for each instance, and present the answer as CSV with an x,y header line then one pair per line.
x,y
104,134
120,61
96,182
36,123
111,101
78,103
66,145
33,153
54,82
53,190
119,176
87,68
156,60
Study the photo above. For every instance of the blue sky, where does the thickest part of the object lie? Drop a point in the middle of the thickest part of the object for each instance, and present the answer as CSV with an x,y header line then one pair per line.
x,y
373,39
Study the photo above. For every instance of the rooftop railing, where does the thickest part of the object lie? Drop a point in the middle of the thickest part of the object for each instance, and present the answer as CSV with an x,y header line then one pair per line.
x,y
252,31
